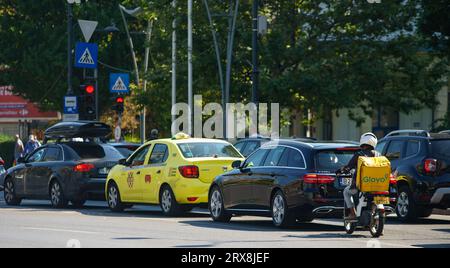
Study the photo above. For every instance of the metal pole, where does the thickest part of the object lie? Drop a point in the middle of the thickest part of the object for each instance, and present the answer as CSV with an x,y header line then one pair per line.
x,y
147,55
190,69
69,49
136,70
255,78
230,46
174,58
96,95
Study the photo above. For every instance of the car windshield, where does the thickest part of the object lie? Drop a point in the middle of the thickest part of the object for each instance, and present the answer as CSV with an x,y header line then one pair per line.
x,y
333,160
441,149
198,150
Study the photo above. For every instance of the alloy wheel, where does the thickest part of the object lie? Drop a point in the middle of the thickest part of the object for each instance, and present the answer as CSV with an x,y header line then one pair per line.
x,y
112,197
166,200
56,193
278,209
9,191
403,204
216,204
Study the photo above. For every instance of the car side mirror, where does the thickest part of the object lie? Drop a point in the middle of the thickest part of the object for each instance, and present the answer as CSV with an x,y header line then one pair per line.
x,y
236,164
123,162
21,160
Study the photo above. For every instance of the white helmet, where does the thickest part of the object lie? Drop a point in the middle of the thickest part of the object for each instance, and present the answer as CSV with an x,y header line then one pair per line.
x,y
369,139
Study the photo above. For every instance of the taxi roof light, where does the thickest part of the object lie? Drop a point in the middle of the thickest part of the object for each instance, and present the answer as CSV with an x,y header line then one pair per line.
x,y
181,136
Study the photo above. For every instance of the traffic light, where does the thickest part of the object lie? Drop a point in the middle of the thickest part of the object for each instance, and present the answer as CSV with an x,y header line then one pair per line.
x,y
119,104
88,101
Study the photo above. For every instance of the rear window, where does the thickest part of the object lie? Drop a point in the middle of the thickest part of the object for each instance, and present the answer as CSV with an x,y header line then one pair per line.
x,y
333,160
440,149
198,150
126,152
95,151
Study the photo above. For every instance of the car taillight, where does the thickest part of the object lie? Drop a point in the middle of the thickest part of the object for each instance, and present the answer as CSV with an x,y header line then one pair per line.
x,y
393,180
430,165
190,172
2,163
83,168
318,179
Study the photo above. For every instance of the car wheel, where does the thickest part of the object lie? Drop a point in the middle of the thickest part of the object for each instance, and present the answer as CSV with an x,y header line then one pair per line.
x,y
10,194
114,200
57,195
281,215
406,206
168,202
78,203
216,206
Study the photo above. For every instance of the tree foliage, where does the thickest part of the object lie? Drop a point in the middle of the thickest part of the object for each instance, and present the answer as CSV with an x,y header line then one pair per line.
x,y
319,55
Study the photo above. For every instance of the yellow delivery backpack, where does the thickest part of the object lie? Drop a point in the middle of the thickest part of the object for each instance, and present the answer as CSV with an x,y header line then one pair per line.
x,y
374,174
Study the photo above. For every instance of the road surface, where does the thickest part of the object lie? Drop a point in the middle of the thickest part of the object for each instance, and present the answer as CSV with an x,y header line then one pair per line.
x,y
36,224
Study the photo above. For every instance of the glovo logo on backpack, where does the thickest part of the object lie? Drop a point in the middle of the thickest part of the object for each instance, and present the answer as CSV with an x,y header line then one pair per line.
x,y
373,174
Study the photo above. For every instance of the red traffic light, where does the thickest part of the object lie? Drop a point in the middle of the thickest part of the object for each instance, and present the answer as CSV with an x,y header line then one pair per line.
x,y
89,89
120,100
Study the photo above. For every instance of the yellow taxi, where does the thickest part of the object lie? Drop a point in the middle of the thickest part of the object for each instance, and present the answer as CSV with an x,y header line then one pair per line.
x,y
173,173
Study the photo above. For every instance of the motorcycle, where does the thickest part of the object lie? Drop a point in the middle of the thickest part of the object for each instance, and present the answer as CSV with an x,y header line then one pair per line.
x,y
371,211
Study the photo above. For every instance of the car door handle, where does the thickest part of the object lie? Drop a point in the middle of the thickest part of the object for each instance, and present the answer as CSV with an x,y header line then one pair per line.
x,y
138,173
158,172
272,174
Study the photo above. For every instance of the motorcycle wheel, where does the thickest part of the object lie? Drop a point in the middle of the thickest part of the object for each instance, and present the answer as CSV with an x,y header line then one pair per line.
x,y
377,223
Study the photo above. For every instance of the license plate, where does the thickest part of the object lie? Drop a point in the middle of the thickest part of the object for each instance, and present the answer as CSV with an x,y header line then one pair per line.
x,y
104,171
382,200
345,181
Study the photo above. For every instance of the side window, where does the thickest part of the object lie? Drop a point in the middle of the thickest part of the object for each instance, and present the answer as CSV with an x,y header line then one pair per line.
x,y
251,147
256,159
274,157
412,148
380,147
160,154
37,156
394,151
240,146
138,158
295,159
52,154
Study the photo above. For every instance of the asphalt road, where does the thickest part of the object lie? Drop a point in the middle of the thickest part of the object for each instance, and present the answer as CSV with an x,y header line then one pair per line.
x,y
36,224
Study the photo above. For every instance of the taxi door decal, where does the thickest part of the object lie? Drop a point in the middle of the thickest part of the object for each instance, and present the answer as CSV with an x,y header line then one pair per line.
x,y
130,179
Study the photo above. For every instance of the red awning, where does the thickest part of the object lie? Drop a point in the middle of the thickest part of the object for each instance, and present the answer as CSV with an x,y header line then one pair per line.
x,y
15,108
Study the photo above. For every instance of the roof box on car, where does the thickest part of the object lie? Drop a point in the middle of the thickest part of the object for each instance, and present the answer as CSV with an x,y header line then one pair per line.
x,y
79,129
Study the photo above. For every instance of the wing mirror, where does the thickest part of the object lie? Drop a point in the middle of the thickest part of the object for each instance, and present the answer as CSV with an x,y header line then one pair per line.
x,y
237,164
123,162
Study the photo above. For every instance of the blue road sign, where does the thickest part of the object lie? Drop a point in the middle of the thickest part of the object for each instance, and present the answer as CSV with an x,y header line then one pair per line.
x,y
119,83
86,55
70,105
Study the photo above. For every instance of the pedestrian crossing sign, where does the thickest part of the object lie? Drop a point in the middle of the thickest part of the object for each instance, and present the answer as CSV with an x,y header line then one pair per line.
x,y
86,55
119,83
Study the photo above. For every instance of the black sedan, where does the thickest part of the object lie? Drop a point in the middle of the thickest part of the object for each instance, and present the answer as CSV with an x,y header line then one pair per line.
x,y
64,171
287,180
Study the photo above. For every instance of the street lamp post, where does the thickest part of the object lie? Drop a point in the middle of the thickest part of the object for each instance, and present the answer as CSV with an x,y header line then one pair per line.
x,y
69,47
255,76
136,69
